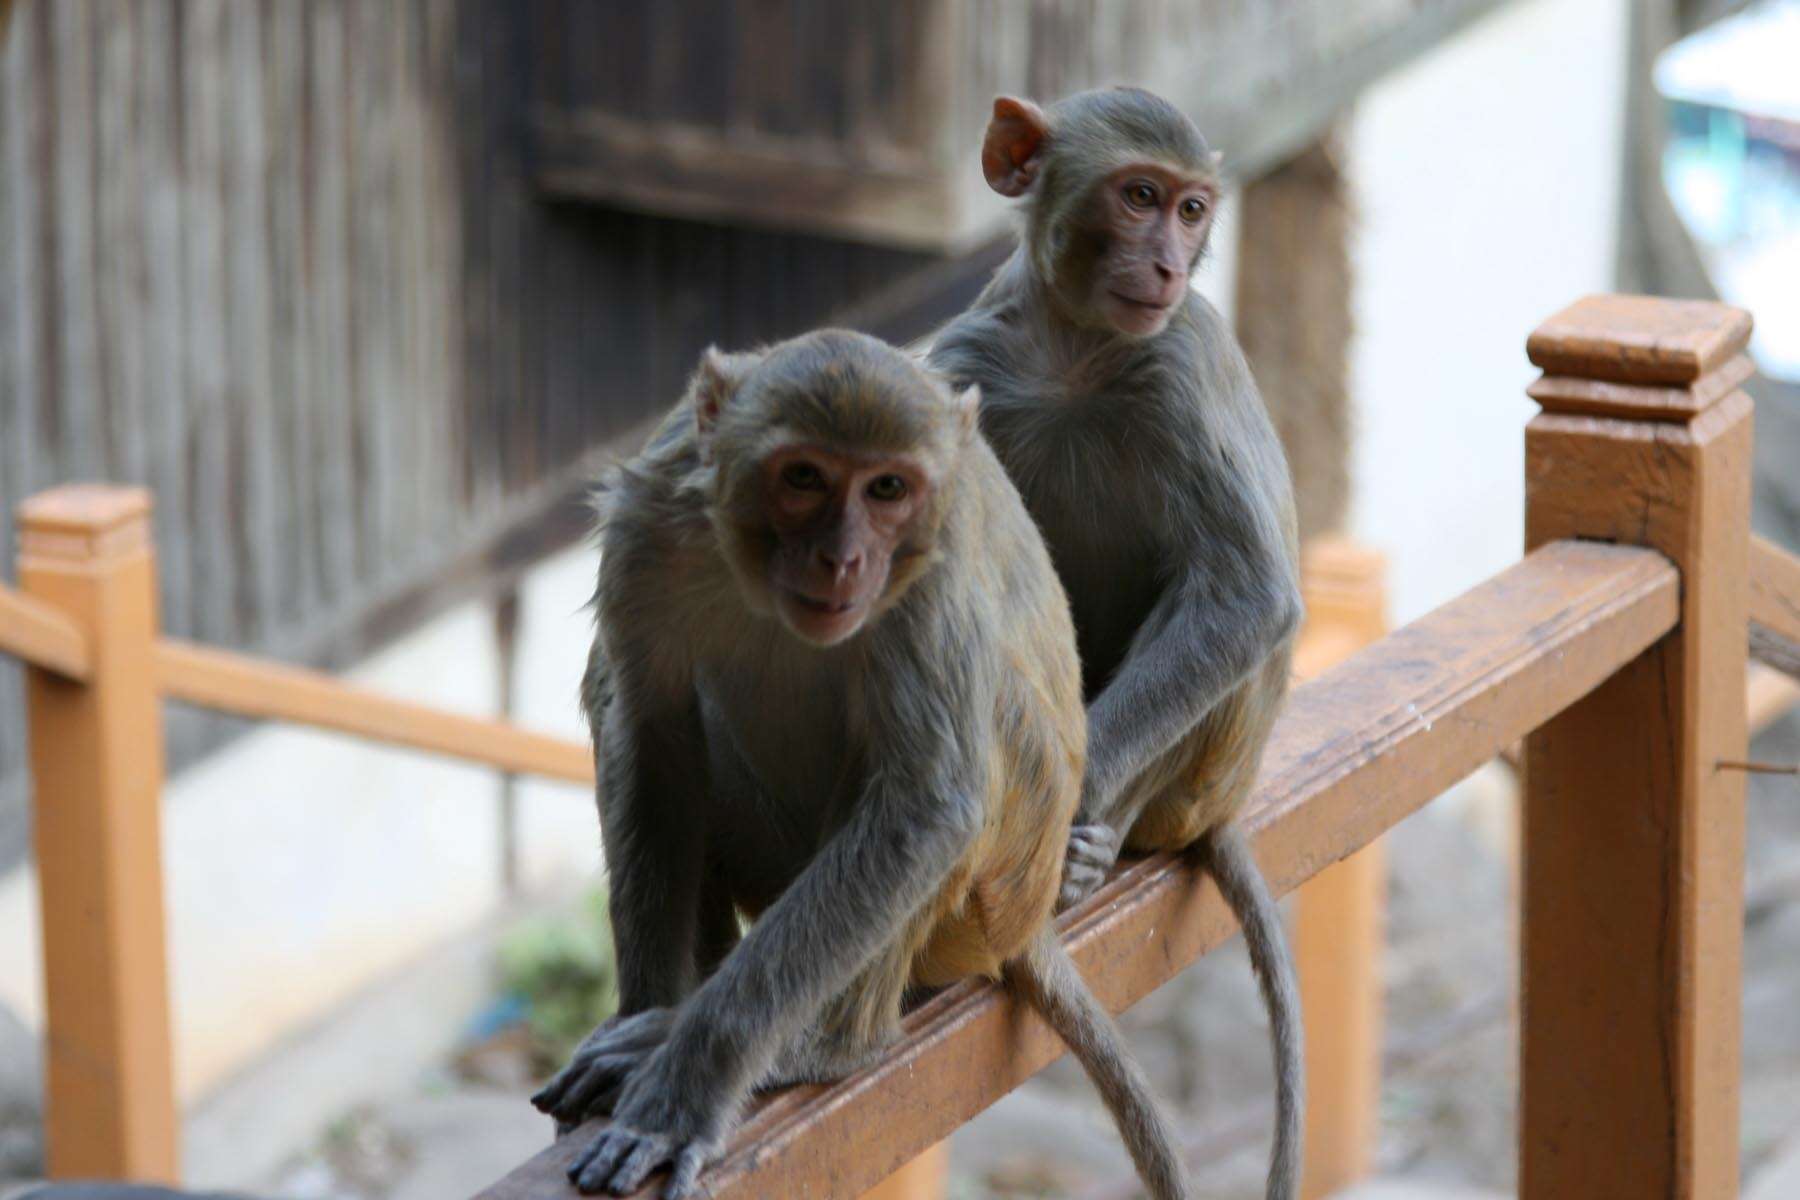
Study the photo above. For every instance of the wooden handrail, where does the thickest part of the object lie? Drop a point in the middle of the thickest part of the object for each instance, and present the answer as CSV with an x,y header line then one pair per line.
x,y
37,634
1355,751
1774,606
251,687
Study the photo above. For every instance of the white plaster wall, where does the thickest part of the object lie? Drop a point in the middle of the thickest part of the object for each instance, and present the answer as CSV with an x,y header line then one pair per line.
x,y
300,866
1487,186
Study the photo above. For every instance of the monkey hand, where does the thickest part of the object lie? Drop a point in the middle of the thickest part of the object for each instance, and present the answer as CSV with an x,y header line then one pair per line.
x,y
1092,851
597,1070
655,1123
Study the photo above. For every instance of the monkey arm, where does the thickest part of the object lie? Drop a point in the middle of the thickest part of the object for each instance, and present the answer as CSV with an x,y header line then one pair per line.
x,y
919,808
652,798
853,899
1214,625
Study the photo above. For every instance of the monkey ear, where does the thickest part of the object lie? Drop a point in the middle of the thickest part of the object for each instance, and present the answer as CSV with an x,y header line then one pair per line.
x,y
715,381
1218,157
967,404
1014,146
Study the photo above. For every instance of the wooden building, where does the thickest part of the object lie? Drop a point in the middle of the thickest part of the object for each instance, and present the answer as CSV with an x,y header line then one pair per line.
x,y
361,290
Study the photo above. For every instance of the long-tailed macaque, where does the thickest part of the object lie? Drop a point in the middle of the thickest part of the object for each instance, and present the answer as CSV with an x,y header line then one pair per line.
x,y
834,689
1121,406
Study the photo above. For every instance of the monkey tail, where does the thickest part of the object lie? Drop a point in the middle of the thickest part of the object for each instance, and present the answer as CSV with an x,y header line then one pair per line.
x,y
1234,869
1048,981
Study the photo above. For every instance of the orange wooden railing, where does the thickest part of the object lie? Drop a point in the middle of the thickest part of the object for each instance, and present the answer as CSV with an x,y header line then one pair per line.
x,y
1617,648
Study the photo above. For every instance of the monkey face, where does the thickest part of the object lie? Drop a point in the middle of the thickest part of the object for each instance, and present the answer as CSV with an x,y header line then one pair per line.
x,y
838,520
1150,224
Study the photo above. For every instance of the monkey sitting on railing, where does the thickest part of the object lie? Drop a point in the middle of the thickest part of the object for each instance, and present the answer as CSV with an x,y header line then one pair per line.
x,y
835,689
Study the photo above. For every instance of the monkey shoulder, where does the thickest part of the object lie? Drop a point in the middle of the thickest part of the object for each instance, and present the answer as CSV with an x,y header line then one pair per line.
x,y
660,567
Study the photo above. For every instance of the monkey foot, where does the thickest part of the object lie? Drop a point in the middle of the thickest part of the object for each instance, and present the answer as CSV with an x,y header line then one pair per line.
x,y
1093,849
621,1158
597,1070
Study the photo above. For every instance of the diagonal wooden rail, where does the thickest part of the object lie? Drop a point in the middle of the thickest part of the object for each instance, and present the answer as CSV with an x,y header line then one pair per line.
x,y
33,632
1774,606
252,687
1357,749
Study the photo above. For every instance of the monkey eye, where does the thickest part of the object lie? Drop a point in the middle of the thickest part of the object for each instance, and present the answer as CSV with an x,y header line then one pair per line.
x,y
1192,209
1140,195
803,477
887,488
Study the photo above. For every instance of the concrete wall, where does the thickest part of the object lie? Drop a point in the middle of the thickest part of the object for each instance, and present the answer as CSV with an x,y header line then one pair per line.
x,y
301,866
1488,182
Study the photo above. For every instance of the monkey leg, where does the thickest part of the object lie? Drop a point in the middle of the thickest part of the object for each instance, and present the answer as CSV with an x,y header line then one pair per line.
x,y
719,932
1195,786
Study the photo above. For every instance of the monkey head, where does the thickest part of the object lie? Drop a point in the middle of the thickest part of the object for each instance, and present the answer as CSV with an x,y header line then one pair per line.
x,y
832,458
1121,189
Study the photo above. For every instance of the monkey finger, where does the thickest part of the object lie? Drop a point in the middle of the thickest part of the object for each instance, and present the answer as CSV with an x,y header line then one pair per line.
x,y
545,1098
1096,844
601,1082
593,1166
572,1105
1079,882
688,1165
649,1154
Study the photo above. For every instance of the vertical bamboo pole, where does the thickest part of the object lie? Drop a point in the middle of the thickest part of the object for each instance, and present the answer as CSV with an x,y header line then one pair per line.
x,y
97,769
1632,919
1338,916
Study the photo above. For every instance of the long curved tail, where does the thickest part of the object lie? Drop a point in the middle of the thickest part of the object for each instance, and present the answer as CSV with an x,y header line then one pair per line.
x,y
1234,869
1049,982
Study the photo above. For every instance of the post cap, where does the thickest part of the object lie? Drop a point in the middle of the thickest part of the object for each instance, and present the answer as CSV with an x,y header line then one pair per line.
x,y
1639,339
83,524
84,508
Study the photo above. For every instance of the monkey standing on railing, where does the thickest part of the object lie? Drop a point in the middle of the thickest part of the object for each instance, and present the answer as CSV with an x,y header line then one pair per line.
x,y
835,688
1122,407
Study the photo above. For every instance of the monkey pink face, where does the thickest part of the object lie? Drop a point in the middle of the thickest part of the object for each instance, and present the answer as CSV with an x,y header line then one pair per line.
x,y
838,520
1153,222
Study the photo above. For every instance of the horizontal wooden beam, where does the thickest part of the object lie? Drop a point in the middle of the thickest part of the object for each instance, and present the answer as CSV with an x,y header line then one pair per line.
x,y
251,687
1774,606
1769,695
33,632
1356,750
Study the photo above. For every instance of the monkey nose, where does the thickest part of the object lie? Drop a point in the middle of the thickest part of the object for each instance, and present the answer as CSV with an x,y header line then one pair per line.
x,y
840,565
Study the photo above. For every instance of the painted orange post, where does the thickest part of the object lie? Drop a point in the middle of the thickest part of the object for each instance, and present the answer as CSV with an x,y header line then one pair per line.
x,y
921,1179
1633,874
1339,913
97,772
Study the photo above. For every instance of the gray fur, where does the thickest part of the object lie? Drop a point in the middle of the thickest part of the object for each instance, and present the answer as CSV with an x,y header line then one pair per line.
x,y
1156,478
841,796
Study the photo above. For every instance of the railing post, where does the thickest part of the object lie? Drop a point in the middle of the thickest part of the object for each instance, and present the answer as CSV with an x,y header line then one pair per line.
x,y
97,771
923,1178
1634,839
1338,914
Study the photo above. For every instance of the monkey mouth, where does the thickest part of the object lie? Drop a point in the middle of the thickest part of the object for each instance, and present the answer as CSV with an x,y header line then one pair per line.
x,y
1145,306
823,607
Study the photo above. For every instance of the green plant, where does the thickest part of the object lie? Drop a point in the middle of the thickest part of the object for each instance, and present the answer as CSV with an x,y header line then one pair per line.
x,y
562,970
